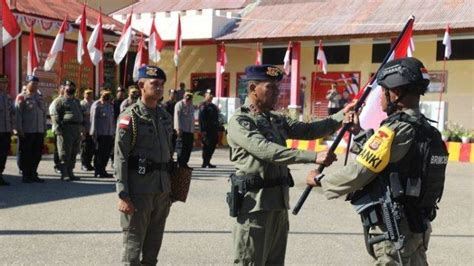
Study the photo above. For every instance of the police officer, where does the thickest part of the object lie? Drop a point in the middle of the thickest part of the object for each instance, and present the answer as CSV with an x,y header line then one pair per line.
x,y
169,107
257,138
7,124
67,117
31,126
209,123
57,161
184,126
143,154
389,161
102,132
87,144
133,95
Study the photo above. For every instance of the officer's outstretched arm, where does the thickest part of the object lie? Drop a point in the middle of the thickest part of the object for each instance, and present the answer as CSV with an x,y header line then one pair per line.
x,y
243,132
389,144
123,139
316,129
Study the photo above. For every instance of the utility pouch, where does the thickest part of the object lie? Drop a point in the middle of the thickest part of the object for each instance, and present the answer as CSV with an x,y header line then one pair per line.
x,y
236,195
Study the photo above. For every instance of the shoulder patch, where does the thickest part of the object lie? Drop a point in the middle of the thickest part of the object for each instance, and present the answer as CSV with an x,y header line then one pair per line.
x,y
246,122
124,122
376,152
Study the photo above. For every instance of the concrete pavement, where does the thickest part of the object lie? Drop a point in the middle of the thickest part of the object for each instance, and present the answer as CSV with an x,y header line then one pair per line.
x,y
76,223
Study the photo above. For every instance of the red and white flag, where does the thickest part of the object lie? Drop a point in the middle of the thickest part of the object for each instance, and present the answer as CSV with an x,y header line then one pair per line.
x,y
222,57
125,40
10,30
178,43
372,114
321,58
258,59
286,60
447,43
140,59
155,44
57,47
32,57
95,46
81,36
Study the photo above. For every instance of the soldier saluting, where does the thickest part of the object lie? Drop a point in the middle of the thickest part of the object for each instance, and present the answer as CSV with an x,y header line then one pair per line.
x,y
31,127
142,163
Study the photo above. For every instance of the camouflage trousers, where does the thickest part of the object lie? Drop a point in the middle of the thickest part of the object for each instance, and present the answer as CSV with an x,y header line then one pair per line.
x,y
143,230
68,143
413,252
260,238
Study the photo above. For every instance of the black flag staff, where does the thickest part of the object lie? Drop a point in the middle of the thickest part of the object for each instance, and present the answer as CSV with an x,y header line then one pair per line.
x,y
359,103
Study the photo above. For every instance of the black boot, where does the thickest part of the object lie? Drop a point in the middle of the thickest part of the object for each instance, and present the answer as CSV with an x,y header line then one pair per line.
x,y
71,175
64,172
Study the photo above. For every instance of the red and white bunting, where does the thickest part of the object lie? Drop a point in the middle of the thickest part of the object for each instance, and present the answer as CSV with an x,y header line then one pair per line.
x,y
32,57
178,43
321,58
258,59
222,57
155,44
57,47
81,36
10,30
95,45
125,40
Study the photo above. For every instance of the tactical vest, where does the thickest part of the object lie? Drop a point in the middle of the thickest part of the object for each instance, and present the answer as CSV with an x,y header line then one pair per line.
x,y
421,175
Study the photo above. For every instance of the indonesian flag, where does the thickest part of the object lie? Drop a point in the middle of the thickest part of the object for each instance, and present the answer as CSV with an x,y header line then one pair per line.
x,y
178,43
32,57
81,36
222,57
155,44
57,47
125,40
140,59
321,58
258,59
95,46
286,60
447,43
372,114
10,30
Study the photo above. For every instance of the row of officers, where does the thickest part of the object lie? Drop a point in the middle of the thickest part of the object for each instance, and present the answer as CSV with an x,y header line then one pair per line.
x,y
86,126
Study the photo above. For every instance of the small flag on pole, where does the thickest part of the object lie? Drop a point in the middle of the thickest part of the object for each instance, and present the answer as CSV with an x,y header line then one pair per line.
x,y
258,59
10,30
178,43
57,47
222,57
81,36
447,43
140,58
155,44
321,58
95,45
286,60
32,57
125,40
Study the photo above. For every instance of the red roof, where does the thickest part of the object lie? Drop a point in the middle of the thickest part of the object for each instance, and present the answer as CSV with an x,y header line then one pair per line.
x,y
147,6
305,19
56,9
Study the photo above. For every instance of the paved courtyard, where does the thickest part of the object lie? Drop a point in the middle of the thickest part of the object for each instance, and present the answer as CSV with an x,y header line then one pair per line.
x,y
76,223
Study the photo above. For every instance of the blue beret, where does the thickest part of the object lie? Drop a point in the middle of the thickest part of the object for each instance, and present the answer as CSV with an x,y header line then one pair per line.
x,y
263,72
151,72
30,78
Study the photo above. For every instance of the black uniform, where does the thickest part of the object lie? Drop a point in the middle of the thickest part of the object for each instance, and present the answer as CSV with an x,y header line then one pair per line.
x,y
169,107
209,123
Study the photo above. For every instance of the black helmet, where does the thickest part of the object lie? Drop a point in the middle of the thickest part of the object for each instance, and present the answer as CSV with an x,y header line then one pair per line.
x,y
408,73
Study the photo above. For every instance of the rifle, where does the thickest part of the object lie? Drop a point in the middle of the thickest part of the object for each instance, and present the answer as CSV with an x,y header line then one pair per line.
x,y
358,105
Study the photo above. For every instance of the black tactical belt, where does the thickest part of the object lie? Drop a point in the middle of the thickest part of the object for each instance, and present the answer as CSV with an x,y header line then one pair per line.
x,y
133,163
256,182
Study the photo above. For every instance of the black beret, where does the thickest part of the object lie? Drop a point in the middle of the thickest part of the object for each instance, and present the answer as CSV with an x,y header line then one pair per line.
x,y
151,72
263,72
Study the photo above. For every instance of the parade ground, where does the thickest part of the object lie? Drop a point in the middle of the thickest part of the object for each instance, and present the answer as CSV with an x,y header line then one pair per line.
x,y
77,223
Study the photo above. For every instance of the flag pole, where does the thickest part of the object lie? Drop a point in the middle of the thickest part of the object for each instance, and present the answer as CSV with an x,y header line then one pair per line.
x,y
124,72
442,89
61,59
359,103
80,77
176,77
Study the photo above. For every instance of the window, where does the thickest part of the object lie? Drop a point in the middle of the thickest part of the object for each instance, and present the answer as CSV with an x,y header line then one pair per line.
x,y
379,51
336,54
273,56
461,50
